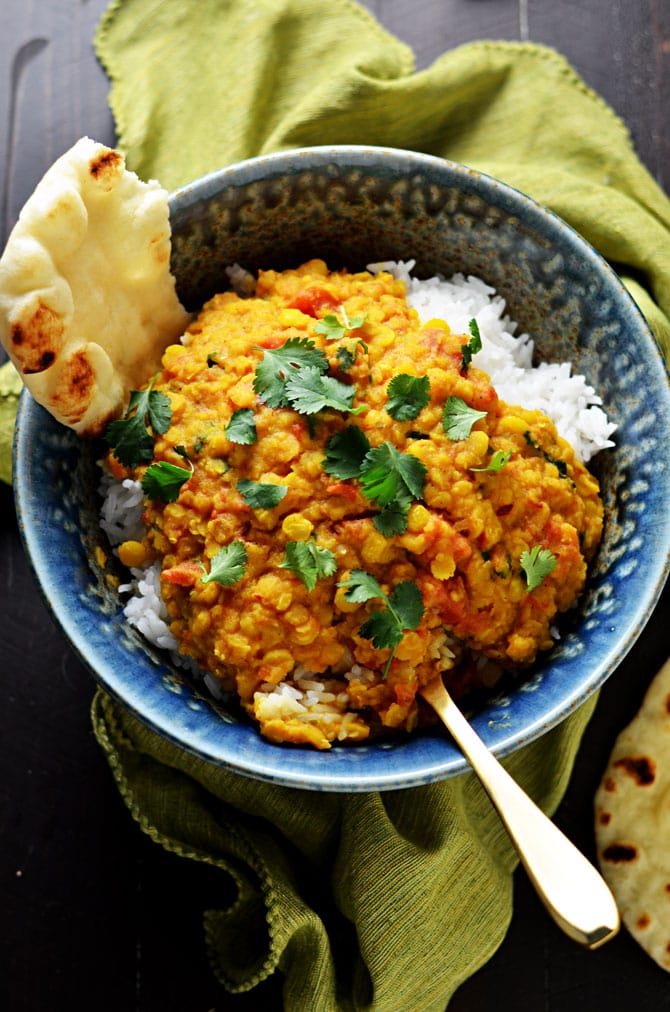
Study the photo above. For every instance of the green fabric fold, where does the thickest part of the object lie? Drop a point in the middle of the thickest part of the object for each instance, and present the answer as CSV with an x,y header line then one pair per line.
x,y
363,901
379,901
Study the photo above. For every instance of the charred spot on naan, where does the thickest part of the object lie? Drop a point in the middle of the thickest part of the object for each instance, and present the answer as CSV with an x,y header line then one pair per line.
x,y
76,385
106,167
641,768
617,853
37,341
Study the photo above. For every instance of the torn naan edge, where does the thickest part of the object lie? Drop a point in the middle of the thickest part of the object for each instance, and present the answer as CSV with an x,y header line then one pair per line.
x,y
87,300
632,822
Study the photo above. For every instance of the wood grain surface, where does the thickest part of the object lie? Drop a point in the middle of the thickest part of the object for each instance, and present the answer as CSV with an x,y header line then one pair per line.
x,y
92,914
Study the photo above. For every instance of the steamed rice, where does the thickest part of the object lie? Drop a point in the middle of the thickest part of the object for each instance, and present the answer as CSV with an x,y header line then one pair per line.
x,y
550,387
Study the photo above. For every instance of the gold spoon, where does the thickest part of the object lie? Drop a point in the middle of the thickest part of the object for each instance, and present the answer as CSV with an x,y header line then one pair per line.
x,y
573,892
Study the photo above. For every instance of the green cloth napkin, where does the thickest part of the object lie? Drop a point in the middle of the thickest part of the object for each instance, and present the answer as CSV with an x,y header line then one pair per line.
x,y
10,389
383,901
419,882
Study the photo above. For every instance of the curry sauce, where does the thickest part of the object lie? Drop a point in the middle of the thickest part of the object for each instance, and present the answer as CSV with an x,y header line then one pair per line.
x,y
507,488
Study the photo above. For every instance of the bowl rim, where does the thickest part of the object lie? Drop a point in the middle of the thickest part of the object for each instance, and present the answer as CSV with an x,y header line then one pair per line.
x,y
419,765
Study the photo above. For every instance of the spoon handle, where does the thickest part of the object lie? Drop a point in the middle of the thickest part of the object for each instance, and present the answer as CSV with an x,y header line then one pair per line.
x,y
572,890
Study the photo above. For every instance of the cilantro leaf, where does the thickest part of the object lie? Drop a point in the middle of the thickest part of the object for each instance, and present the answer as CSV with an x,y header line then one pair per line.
x,y
279,364
333,329
164,480
345,452
309,391
559,464
536,564
407,396
383,628
261,495
227,566
472,347
392,519
388,474
345,358
330,327
362,586
308,561
242,428
407,603
497,462
402,611
458,418
129,437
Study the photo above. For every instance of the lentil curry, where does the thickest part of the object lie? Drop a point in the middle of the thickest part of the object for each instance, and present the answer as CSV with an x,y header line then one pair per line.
x,y
356,508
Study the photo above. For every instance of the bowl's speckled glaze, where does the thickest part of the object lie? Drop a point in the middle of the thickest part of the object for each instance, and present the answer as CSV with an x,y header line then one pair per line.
x,y
351,206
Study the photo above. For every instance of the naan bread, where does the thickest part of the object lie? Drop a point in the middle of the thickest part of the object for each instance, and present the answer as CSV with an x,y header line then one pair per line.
x,y
632,812
87,301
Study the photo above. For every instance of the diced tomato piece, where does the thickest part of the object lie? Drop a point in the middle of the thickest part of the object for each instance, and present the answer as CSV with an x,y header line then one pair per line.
x,y
312,300
272,341
404,693
298,428
345,489
448,597
184,574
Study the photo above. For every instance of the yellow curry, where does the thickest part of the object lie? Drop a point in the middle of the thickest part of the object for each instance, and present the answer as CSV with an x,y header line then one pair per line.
x,y
357,508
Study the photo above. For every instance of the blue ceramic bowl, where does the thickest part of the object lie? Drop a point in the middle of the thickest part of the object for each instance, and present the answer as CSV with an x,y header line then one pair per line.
x,y
350,206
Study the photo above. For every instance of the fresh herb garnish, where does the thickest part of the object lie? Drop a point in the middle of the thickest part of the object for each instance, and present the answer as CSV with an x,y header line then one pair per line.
x,y
345,452
334,329
536,564
402,610
227,566
387,473
129,437
164,480
472,347
346,354
293,375
392,518
278,365
261,495
560,465
497,462
308,561
394,479
407,396
309,391
242,428
345,358
458,418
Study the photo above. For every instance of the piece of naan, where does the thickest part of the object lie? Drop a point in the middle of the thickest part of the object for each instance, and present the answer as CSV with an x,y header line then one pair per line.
x,y
87,300
632,822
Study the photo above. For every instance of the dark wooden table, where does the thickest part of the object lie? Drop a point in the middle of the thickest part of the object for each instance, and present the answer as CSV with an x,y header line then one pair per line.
x,y
92,914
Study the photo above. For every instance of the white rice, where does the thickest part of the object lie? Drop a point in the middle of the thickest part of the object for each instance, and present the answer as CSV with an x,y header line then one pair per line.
x,y
507,357
567,399
121,520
